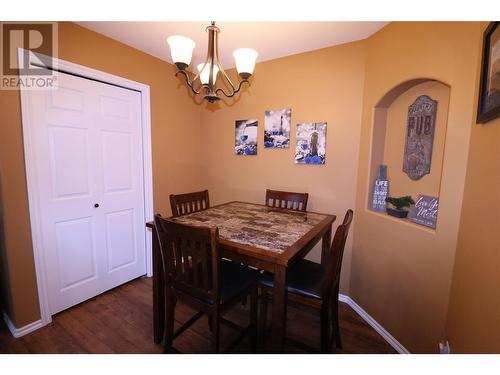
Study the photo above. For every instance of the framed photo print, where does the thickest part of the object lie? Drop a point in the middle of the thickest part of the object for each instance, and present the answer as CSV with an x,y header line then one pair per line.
x,y
311,143
245,137
489,92
277,128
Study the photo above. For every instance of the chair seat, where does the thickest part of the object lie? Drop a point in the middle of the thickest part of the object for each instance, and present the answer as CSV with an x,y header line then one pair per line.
x,y
234,279
303,278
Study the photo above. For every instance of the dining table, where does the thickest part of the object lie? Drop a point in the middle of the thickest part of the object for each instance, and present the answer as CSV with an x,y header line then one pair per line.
x,y
267,238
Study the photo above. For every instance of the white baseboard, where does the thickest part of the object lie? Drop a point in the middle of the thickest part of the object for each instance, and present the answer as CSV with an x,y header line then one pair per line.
x,y
374,324
18,332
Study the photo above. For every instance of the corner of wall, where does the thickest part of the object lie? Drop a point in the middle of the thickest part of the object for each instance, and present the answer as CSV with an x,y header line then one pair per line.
x,y
5,295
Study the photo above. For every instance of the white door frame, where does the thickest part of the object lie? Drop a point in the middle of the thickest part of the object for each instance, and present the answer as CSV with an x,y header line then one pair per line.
x,y
31,180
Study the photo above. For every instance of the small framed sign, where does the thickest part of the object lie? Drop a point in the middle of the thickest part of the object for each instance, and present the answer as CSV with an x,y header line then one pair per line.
x,y
425,211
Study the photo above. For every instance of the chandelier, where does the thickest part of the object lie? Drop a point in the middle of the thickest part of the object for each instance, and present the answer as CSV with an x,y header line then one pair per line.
x,y
181,49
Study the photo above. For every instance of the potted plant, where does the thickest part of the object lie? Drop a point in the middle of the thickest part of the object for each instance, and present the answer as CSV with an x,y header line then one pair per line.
x,y
399,204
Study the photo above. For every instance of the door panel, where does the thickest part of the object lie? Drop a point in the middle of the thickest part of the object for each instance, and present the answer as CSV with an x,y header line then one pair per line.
x,y
67,99
68,148
114,107
117,160
76,252
120,235
87,140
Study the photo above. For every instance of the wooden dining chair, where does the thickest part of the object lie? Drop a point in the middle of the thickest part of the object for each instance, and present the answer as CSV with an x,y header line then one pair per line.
x,y
286,199
183,204
315,285
196,275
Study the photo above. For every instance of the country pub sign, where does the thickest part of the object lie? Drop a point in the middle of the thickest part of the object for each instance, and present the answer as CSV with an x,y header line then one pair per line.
x,y
419,137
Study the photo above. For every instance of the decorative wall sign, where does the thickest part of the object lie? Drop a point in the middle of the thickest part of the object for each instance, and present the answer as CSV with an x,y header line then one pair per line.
x,y
246,137
311,143
419,137
277,128
425,211
380,190
489,92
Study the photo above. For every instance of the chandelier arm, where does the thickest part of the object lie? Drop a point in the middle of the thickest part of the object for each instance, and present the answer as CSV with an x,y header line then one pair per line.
x,y
226,77
221,69
188,81
234,90
191,82
203,85
196,77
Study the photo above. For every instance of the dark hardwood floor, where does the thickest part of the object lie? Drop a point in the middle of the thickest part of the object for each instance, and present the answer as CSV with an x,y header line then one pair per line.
x,y
120,321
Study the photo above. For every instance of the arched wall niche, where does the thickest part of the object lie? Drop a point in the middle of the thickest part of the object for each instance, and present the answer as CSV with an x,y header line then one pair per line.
x,y
389,132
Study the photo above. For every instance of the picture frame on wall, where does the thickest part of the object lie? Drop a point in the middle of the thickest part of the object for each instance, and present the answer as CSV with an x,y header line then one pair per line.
x,y
245,137
311,143
277,128
489,89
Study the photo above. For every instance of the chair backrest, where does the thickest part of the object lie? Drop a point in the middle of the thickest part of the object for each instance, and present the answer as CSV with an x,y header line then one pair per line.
x,y
331,278
183,204
286,199
189,257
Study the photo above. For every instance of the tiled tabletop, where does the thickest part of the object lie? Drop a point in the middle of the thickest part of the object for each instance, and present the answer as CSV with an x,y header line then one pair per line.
x,y
256,225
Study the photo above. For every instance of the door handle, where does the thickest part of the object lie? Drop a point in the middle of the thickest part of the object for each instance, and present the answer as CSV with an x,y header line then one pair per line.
x,y
96,205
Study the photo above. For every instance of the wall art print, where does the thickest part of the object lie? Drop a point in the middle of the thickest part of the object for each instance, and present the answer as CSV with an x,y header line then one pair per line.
x,y
311,143
419,137
277,128
246,137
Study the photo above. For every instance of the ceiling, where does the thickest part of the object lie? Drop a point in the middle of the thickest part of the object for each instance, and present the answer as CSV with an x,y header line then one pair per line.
x,y
271,39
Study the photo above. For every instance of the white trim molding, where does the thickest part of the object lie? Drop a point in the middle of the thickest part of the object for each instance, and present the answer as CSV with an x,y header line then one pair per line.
x,y
18,332
374,324
30,165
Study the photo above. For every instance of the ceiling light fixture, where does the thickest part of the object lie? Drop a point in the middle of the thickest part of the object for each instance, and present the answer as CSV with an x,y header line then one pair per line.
x,y
181,49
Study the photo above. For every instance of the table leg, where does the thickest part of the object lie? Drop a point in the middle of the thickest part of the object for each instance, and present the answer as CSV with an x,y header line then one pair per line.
x,y
325,246
158,292
279,309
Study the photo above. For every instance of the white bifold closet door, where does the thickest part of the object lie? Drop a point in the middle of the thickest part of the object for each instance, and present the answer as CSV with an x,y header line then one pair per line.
x,y
87,141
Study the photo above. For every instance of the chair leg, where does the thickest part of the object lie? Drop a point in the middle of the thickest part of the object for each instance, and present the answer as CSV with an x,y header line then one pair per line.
x,y
216,331
325,327
335,324
170,303
263,319
254,297
264,300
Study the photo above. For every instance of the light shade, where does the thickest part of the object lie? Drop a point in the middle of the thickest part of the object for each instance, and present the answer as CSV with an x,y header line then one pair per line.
x,y
205,74
181,49
245,60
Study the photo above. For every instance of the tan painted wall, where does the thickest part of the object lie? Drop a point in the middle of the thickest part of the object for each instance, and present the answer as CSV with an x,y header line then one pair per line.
x,y
397,113
474,312
175,145
401,273
324,85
